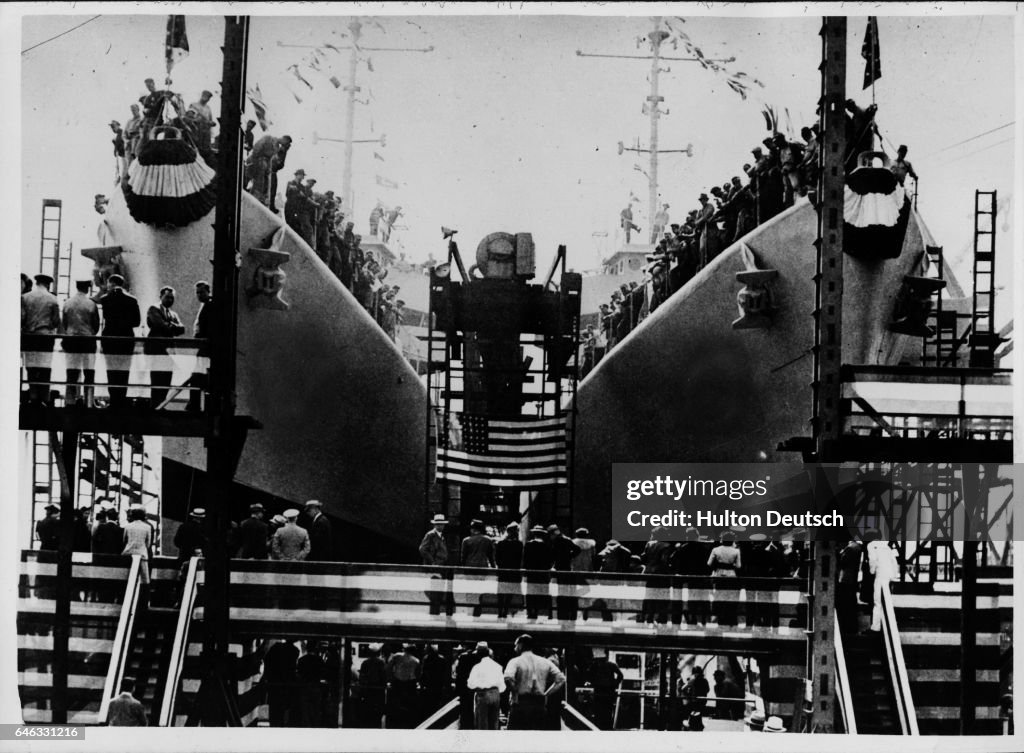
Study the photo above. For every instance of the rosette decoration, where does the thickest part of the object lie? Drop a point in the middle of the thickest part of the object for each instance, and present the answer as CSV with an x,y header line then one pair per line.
x,y
169,184
876,210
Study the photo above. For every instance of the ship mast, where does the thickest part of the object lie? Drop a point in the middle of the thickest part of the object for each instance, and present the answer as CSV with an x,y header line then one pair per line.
x,y
654,112
656,38
351,87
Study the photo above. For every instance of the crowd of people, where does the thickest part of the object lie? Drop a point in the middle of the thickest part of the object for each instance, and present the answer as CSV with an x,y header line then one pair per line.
x,y
782,170
320,220
111,313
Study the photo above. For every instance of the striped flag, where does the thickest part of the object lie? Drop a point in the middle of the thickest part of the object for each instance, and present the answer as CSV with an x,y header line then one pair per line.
x,y
177,41
256,97
521,452
869,51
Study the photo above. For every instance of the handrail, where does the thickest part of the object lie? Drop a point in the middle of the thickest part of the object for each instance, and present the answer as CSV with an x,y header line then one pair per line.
x,y
897,665
843,689
180,646
181,343
122,638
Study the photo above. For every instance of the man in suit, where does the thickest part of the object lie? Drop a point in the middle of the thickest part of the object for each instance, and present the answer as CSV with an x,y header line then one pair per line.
x,y
162,322
48,529
201,331
321,538
190,537
108,536
290,542
40,315
81,316
121,316
126,710
252,535
259,167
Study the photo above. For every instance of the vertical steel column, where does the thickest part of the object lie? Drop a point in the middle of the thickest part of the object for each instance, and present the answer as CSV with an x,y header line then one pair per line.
x,y
828,352
218,704
67,455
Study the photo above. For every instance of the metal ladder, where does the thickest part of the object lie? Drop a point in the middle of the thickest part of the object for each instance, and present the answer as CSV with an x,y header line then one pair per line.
x,y
45,481
57,264
983,339
52,260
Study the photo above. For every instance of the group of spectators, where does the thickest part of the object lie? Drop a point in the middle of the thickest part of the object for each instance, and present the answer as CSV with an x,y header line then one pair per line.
x,y
405,683
112,313
163,107
547,548
782,170
319,219
291,535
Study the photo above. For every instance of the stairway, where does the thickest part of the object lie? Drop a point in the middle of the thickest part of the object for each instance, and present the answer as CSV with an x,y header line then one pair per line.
x,y
874,703
149,656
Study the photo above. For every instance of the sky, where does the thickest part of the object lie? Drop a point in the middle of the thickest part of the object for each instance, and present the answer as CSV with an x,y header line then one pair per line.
x,y
503,127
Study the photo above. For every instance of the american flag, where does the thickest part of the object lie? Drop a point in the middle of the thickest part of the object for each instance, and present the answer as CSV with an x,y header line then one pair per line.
x,y
522,452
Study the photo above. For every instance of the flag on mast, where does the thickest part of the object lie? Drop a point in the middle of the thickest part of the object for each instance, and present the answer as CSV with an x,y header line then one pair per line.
x,y
177,41
869,51
256,97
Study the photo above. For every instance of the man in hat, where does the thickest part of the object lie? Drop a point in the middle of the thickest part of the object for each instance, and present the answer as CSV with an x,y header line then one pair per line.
x,y
774,724
48,529
615,557
253,535
530,679
626,222
465,661
477,548
190,537
900,167
584,559
258,168
138,539
563,549
249,137
163,322
660,222
298,205
695,692
290,542
433,549
126,710
132,132
108,536
277,165
321,537
121,316
40,316
204,120
80,317
487,681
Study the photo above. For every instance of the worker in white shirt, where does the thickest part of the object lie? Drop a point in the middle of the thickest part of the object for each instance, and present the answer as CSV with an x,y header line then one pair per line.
x,y
883,565
486,681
